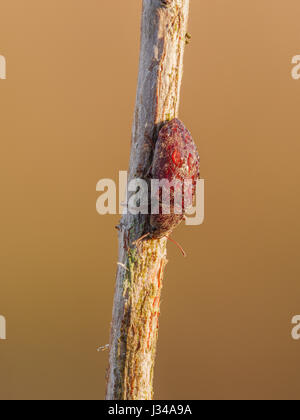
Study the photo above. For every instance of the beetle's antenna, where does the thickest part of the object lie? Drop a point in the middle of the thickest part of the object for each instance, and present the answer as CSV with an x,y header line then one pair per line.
x,y
177,244
170,239
140,239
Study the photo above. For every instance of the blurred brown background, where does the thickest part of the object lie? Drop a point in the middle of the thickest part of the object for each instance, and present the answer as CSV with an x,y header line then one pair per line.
x,y
66,112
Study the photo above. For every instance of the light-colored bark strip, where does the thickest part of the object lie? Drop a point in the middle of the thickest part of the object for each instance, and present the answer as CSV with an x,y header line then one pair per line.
x,y
139,277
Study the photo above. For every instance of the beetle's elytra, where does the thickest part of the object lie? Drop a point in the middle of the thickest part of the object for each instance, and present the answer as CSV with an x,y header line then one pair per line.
x,y
175,157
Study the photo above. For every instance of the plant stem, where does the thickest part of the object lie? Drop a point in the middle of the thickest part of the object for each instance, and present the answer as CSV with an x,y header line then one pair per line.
x,y
140,270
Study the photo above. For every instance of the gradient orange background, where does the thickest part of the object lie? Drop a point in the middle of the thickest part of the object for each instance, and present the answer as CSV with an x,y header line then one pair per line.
x,y
66,111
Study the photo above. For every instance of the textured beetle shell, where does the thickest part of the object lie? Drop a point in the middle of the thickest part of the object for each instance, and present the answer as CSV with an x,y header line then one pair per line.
x,y
175,157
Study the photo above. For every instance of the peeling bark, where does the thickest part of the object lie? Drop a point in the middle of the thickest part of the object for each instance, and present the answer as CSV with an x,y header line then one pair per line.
x,y
139,277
